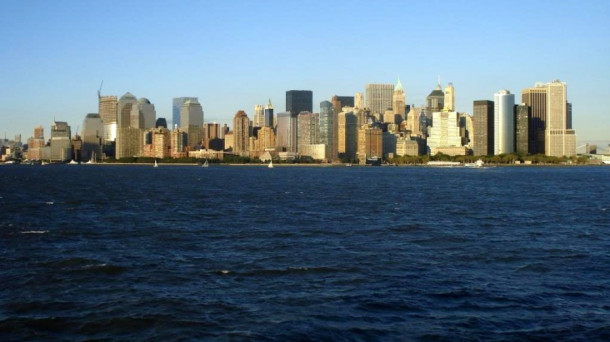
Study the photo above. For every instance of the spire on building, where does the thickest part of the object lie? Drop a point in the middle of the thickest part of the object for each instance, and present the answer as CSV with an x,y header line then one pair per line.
x,y
269,104
398,86
438,87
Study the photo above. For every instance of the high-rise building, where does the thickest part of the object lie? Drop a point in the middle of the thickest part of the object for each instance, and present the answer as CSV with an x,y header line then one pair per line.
x,y
370,143
92,136
298,101
178,141
444,133
522,137
379,97
398,100
535,99
265,139
161,142
466,128
124,108
191,119
284,133
241,133
483,112
147,113
326,126
61,147
347,135
129,142
449,97
177,107
504,122
108,113
413,120
343,101
161,122
359,101
559,140
36,144
435,101
308,129
212,136
259,116
268,119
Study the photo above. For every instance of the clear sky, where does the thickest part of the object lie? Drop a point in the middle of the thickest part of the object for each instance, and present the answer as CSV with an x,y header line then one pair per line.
x,y
236,54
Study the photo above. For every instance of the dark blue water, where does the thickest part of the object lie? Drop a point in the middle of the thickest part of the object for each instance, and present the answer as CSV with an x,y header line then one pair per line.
x,y
284,254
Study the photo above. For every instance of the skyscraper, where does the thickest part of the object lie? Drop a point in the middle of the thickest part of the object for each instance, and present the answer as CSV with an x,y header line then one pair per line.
x,y
504,122
535,99
522,137
283,132
370,143
435,101
148,113
108,113
347,135
124,108
61,147
268,120
307,130
92,135
559,140
449,97
191,119
177,106
359,101
379,97
398,100
445,132
483,112
259,116
326,126
299,101
241,133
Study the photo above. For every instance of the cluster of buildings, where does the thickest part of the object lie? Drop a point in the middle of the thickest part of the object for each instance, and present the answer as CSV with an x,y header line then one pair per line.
x,y
376,125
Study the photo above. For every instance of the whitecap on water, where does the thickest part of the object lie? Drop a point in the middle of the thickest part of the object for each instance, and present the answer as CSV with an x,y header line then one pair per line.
x,y
49,202
35,232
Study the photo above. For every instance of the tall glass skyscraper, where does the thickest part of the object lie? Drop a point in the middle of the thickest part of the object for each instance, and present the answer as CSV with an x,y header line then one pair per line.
x,y
504,122
299,101
326,126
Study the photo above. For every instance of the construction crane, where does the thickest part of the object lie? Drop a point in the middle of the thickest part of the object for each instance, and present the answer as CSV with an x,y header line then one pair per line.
x,y
99,91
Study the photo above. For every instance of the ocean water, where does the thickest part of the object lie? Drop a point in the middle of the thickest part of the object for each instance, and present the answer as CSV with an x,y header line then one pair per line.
x,y
304,253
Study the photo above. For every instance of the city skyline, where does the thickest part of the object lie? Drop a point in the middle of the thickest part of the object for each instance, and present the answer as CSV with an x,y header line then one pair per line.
x,y
216,52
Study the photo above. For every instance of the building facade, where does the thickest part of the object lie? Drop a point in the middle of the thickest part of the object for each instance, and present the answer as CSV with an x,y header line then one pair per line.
x,y
445,132
241,133
522,136
298,101
379,97
399,100
177,107
483,112
504,122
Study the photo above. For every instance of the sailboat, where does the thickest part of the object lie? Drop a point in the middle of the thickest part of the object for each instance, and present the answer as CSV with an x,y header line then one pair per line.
x,y
270,164
92,159
205,164
156,165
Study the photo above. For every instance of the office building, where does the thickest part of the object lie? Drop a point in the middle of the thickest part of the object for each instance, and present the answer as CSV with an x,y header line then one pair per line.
x,y
268,115
241,133
347,135
379,97
370,143
61,147
449,101
191,119
36,144
504,122
259,116
535,99
146,114
161,122
398,101
177,107
298,101
445,134
326,136
359,101
413,120
559,139
124,109
108,113
522,137
483,112
308,130
435,102
129,142
92,135
284,133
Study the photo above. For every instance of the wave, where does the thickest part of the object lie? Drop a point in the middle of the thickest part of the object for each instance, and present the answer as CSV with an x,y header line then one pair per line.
x,y
35,232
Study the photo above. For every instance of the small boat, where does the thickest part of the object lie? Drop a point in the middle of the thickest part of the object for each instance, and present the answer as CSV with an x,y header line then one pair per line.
x,y
205,164
156,165
270,164
92,159
478,163
73,162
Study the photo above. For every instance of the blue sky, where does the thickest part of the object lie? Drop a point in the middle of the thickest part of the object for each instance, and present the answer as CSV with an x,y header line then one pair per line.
x,y
235,54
